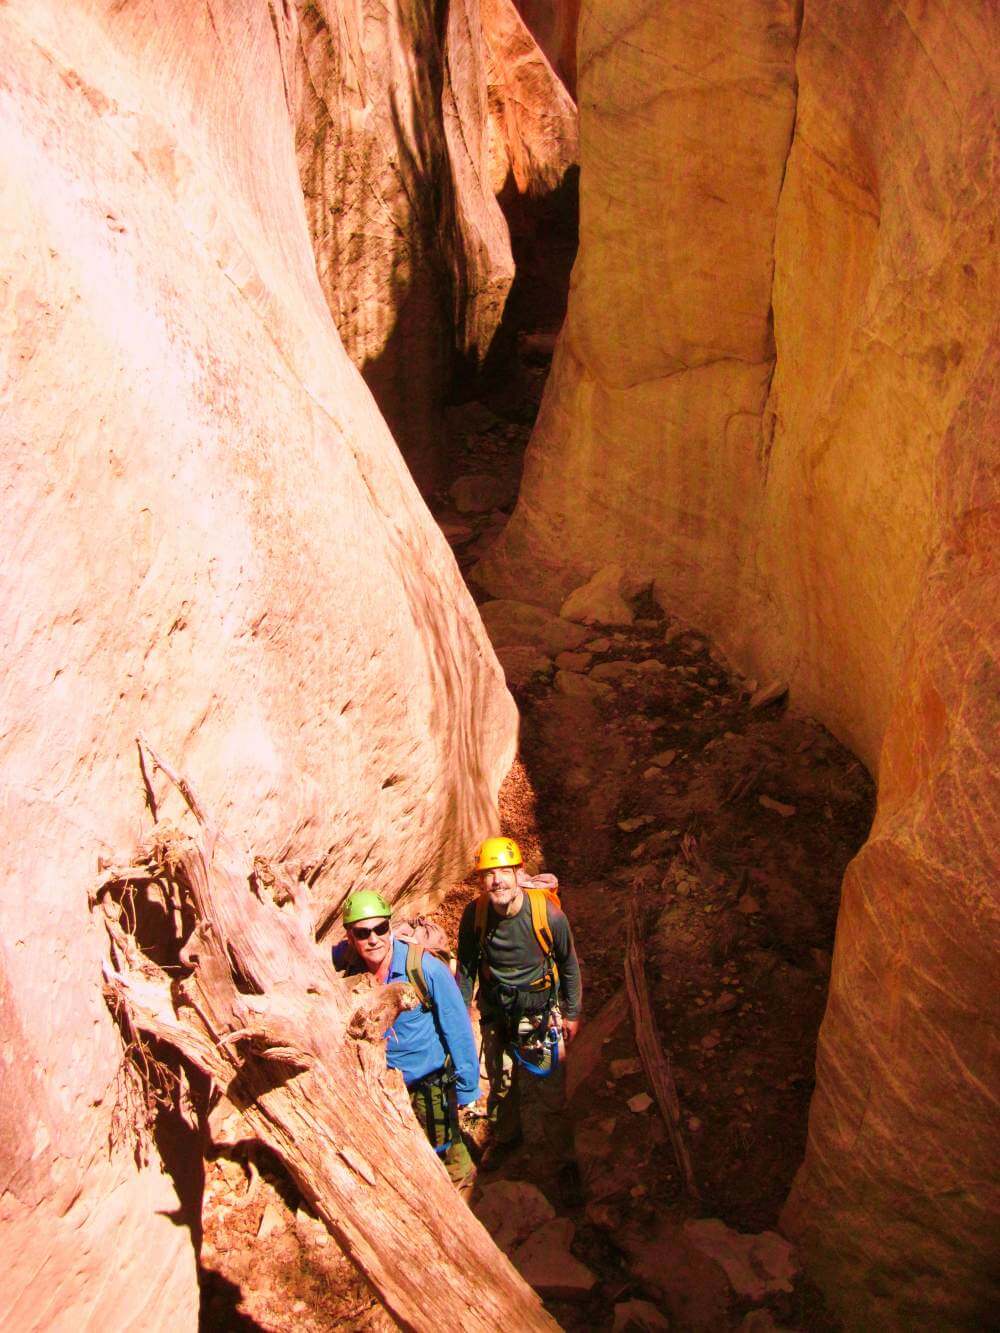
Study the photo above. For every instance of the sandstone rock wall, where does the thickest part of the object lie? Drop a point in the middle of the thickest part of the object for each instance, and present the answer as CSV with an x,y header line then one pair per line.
x,y
533,120
553,24
393,141
209,536
770,395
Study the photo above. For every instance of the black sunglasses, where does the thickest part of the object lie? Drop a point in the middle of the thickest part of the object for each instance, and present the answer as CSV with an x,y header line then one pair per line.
x,y
362,932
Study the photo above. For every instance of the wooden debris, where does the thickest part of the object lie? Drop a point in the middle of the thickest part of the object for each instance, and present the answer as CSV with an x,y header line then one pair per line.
x,y
655,1061
779,807
296,1053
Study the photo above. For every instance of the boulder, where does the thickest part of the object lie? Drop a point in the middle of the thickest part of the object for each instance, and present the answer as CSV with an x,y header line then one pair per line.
x,y
599,600
471,418
511,1210
545,1262
756,1265
510,623
612,670
676,1272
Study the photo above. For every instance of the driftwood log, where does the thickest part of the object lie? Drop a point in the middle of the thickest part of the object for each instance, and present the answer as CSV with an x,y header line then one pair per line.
x,y
654,1060
296,1052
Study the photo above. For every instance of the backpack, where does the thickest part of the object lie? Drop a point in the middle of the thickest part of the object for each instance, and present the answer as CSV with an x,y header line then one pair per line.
x,y
540,891
421,937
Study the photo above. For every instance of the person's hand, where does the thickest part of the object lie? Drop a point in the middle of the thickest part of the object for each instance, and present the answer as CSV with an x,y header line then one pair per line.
x,y
570,1027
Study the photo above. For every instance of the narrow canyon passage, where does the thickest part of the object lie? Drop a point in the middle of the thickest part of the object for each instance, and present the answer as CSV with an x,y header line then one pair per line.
x,y
286,505
647,771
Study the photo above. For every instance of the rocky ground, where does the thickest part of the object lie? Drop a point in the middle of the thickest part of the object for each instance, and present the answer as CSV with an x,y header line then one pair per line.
x,y
649,772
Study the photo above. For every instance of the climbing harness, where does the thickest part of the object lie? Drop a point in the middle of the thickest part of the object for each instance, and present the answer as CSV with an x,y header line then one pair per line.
x,y
441,1112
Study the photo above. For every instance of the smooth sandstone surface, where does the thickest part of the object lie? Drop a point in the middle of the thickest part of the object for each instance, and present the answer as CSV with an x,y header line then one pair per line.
x,y
210,537
773,393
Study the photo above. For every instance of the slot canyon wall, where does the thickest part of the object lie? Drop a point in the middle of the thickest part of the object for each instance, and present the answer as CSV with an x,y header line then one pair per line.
x,y
775,396
553,24
209,537
407,128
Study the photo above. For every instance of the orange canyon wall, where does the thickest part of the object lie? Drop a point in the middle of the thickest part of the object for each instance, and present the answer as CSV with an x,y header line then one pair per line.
x,y
210,537
773,396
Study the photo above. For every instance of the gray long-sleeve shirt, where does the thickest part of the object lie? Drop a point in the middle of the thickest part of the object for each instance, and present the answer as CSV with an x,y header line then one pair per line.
x,y
514,956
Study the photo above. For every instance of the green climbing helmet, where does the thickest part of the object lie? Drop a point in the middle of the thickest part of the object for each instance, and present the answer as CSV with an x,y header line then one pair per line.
x,y
364,904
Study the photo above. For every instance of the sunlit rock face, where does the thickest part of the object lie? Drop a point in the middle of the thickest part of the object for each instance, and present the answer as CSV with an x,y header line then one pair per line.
x,y
393,143
209,537
772,395
406,131
553,24
534,139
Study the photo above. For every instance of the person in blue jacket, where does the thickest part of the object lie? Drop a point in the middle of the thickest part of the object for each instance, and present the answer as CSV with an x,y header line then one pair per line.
x,y
433,1046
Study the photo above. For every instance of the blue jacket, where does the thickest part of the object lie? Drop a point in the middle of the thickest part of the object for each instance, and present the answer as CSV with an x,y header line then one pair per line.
x,y
420,1039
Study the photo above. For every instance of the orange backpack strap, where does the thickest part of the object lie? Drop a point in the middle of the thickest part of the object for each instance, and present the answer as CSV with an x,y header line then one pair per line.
x,y
539,899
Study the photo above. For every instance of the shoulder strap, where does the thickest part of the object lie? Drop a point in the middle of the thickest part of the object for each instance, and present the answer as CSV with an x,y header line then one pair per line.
x,y
415,972
538,899
482,912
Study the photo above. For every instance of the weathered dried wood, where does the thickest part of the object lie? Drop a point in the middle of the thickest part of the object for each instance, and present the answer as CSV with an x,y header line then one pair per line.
x,y
654,1060
297,1052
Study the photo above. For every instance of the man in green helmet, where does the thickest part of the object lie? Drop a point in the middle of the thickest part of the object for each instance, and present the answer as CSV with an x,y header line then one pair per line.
x,y
433,1046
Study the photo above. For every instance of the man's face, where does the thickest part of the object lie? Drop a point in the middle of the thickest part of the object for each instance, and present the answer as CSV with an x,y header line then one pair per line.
x,y
501,884
372,939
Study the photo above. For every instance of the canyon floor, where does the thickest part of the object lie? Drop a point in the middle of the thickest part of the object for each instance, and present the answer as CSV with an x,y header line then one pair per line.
x,y
648,772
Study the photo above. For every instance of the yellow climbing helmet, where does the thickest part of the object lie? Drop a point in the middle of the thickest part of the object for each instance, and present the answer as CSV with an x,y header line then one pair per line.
x,y
497,852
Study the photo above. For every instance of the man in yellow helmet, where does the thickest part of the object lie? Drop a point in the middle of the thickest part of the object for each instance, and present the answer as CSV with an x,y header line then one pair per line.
x,y
515,940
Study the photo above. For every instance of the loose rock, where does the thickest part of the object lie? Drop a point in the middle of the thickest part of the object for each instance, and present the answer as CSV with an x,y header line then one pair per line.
x,y
638,1317
545,1263
612,670
600,600
756,1265
574,661
581,687
768,694
640,1103
482,492
511,1210
510,623
522,663
625,1068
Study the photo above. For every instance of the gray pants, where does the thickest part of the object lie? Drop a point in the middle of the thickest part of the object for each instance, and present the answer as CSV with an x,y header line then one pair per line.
x,y
521,1103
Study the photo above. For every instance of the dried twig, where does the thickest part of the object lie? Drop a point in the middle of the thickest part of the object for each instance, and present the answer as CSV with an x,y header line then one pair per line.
x,y
654,1059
